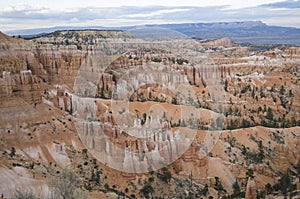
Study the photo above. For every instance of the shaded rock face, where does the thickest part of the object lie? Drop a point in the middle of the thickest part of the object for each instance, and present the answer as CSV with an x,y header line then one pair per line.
x,y
251,189
28,87
63,100
24,85
6,85
57,65
222,42
26,68
292,52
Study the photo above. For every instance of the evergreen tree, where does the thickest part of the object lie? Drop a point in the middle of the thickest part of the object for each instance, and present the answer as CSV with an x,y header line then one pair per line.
x,y
250,173
285,183
268,188
270,114
147,189
218,186
205,190
12,152
236,189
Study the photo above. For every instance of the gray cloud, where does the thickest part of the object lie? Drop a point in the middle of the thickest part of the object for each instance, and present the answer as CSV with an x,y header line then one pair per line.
x,y
13,17
284,4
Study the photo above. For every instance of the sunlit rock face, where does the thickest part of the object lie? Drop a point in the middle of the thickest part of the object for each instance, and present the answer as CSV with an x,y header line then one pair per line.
x,y
137,155
138,105
152,143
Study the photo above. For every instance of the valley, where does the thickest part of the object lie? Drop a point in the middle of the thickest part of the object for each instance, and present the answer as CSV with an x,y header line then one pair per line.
x,y
140,117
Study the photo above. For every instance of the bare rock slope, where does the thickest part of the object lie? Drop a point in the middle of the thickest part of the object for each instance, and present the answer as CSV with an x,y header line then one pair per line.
x,y
231,130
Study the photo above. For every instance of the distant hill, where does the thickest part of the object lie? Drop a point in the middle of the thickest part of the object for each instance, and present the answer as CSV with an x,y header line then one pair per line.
x,y
253,32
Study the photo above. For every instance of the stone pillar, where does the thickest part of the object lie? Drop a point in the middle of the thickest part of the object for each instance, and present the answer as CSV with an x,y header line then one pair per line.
x,y
251,189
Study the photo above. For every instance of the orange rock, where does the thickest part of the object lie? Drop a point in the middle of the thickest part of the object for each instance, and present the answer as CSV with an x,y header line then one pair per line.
x,y
251,189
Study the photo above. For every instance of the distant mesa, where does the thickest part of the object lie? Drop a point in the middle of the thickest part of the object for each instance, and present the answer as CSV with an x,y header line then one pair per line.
x,y
253,32
156,33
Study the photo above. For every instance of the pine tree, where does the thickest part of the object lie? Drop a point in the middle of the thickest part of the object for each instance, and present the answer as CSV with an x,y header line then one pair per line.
x,y
236,189
250,173
12,152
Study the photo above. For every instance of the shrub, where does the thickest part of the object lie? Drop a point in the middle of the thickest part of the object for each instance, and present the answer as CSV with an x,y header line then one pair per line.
x,y
24,194
12,152
66,186
147,189
165,176
236,189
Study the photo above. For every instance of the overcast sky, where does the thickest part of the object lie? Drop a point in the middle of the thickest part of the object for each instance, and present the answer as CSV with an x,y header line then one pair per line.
x,y
24,14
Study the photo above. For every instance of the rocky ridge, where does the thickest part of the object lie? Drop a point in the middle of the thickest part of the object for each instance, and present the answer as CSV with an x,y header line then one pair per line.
x,y
42,80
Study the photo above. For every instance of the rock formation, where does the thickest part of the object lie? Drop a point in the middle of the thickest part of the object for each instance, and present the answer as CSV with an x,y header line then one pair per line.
x,y
105,103
251,189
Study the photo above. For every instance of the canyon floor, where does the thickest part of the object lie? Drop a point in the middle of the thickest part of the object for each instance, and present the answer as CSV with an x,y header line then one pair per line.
x,y
148,118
